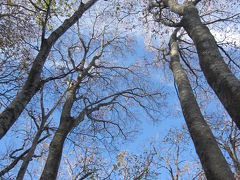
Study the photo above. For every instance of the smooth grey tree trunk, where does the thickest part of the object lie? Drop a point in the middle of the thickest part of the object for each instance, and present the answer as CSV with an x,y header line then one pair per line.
x,y
211,157
55,150
66,124
219,77
33,82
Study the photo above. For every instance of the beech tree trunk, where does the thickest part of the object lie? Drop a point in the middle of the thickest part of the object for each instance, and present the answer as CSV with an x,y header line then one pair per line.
x,y
220,78
211,157
55,150
9,116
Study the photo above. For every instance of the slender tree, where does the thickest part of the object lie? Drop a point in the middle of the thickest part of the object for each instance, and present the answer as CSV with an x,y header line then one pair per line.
x,y
101,88
33,82
18,158
220,78
40,129
204,141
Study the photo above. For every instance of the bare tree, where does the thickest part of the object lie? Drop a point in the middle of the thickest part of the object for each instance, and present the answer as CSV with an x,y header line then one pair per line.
x,y
136,166
33,82
86,160
40,128
20,157
227,135
170,157
204,141
220,78
100,89
231,145
42,132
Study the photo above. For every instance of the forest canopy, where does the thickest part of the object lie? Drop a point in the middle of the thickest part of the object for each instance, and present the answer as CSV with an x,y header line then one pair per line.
x,y
119,89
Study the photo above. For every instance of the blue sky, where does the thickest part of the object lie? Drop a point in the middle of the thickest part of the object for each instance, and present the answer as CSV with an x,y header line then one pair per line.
x,y
149,130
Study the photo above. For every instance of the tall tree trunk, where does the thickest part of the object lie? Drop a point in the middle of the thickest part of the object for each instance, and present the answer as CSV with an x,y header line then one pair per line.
x,y
29,155
32,85
220,78
55,150
66,124
212,160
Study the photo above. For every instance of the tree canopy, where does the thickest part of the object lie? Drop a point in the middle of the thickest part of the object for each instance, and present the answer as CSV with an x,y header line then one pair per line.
x,y
83,82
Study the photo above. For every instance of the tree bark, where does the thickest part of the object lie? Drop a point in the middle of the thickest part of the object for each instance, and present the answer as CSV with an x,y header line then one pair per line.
x,y
219,77
33,82
55,150
67,122
211,157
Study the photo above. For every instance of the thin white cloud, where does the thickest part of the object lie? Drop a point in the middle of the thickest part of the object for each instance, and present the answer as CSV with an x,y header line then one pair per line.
x,y
227,36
